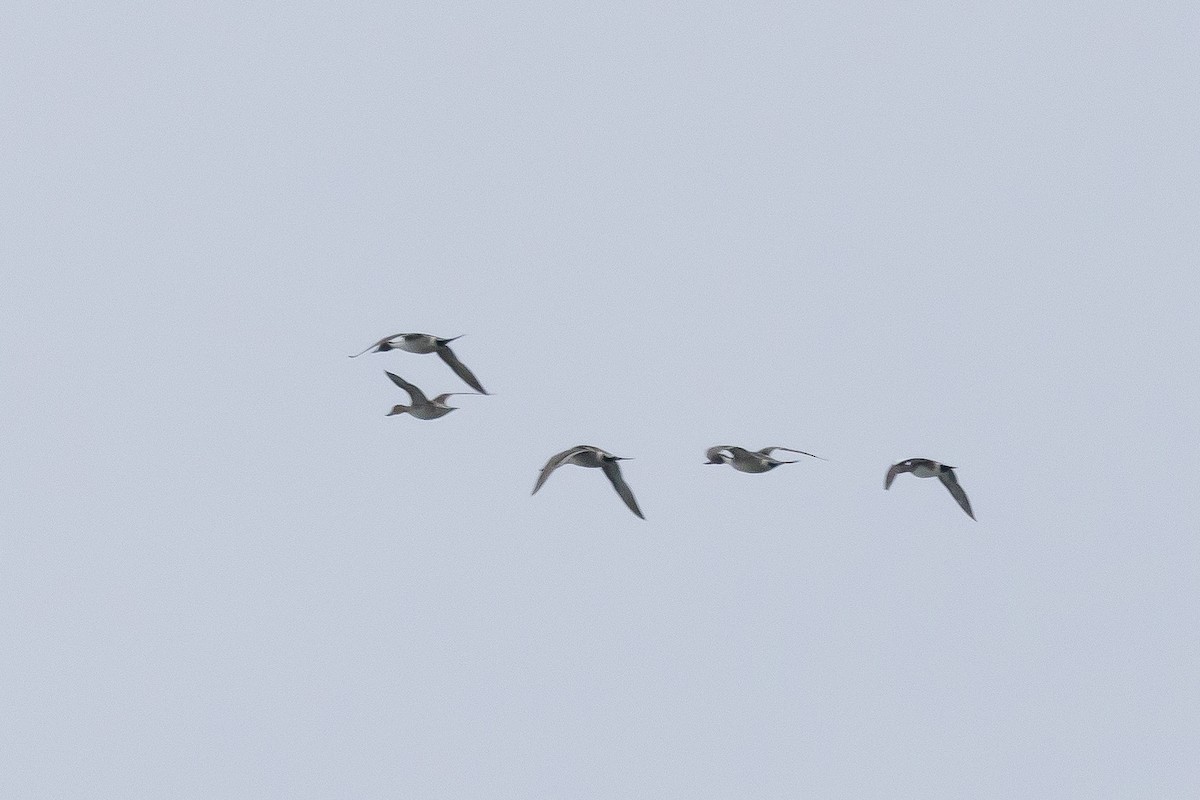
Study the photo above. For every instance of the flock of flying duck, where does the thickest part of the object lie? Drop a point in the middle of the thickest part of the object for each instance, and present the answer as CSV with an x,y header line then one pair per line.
x,y
586,455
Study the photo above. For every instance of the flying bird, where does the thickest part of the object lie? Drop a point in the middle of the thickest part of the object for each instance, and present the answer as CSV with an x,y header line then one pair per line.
x,y
925,468
744,460
422,407
585,455
422,344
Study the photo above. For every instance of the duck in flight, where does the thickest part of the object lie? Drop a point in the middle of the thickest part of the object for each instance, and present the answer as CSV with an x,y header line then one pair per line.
x,y
925,468
585,455
421,406
744,460
422,344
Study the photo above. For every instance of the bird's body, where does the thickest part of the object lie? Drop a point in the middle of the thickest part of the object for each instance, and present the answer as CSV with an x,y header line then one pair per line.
x,y
421,407
586,455
927,468
423,344
744,460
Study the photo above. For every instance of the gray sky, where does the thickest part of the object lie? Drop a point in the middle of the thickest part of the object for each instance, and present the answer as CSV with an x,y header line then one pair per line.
x,y
934,230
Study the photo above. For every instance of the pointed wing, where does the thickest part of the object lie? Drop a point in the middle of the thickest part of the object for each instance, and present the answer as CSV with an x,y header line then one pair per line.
x,y
713,454
766,451
460,369
613,470
556,461
892,472
949,480
418,397
381,341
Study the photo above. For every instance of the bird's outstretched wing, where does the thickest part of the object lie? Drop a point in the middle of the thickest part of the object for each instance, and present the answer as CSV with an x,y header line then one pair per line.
x,y
556,461
377,344
766,451
418,397
460,369
713,454
613,470
949,480
892,472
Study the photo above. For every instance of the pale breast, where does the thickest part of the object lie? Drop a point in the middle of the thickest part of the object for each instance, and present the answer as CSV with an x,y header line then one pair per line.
x,y
416,343
748,463
429,411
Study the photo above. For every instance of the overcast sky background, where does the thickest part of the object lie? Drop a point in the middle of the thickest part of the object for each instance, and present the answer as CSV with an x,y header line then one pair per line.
x,y
966,233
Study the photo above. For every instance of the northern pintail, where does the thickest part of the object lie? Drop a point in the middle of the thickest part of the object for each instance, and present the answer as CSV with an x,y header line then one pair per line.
x,y
422,407
585,455
925,468
422,344
744,460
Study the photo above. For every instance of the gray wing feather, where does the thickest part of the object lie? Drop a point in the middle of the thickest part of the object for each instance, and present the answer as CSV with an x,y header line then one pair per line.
x,y
892,472
460,369
766,451
417,396
949,480
381,341
613,471
554,463
713,453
